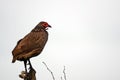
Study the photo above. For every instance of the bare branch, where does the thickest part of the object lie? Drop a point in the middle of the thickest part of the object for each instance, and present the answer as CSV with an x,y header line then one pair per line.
x,y
64,73
28,76
49,70
61,78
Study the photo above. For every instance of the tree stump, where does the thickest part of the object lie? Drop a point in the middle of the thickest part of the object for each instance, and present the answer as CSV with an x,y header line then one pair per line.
x,y
28,76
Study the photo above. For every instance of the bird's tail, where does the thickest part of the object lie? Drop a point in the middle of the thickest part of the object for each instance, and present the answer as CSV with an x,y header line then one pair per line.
x,y
13,60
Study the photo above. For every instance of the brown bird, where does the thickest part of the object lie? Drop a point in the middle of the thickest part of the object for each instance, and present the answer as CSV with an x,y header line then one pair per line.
x,y
32,44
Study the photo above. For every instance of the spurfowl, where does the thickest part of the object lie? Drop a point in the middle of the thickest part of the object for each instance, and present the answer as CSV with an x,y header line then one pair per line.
x,y
32,44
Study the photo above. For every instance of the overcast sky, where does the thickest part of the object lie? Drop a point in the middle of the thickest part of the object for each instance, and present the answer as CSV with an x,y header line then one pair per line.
x,y
85,37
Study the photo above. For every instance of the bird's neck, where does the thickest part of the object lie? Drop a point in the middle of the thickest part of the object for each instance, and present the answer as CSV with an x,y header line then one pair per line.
x,y
38,28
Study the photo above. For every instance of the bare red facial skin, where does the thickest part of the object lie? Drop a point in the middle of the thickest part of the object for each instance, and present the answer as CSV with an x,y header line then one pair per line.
x,y
45,25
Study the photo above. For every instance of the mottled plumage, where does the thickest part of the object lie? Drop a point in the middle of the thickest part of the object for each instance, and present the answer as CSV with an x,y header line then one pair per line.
x,y
32,44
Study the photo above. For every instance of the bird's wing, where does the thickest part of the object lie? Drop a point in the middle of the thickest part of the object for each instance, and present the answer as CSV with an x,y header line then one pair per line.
x,y
31,41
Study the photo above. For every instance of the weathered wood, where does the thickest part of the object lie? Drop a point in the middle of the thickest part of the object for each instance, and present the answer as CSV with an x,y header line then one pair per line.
x,y
28,76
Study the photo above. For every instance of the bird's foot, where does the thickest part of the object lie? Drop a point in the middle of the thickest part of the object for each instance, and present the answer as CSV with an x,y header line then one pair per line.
x,y
30,68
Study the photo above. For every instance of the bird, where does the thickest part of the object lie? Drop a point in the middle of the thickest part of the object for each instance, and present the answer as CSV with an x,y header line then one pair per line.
x,y
32,44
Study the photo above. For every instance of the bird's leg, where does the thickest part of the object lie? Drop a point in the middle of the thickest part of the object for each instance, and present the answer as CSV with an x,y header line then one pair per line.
x,y
25,62
30,64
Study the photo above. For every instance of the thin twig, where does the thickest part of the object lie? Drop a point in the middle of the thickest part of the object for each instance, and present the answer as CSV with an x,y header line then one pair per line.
x,y
61,78
64,73
49,70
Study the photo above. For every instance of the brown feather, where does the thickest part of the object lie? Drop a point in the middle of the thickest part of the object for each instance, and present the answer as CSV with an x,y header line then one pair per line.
x,y
31,45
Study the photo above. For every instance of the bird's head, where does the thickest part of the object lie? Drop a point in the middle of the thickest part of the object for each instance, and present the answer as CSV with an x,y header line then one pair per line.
x,y
45,25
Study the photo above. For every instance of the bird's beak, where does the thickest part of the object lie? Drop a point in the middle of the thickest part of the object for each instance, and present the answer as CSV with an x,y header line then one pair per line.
x,y
49,26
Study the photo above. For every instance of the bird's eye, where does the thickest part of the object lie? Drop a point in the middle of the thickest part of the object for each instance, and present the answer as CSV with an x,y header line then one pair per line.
x,y
45,24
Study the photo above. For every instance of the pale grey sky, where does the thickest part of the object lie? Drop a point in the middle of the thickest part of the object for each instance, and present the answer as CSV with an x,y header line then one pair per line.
x,y
85,37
